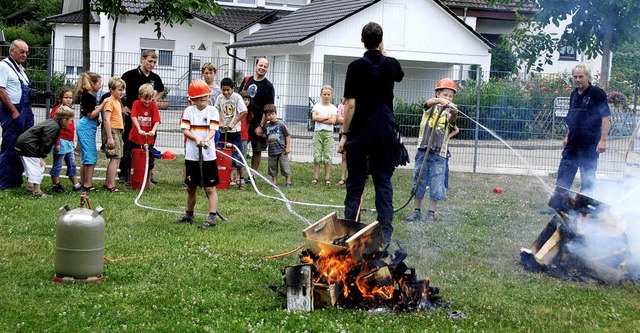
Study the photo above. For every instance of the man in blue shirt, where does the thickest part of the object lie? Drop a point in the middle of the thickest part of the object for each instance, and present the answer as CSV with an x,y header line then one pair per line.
x,y
588,121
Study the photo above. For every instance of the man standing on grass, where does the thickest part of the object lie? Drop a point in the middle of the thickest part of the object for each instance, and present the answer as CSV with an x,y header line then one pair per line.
x,y
134,79
588,121
262,93
368,130
16,115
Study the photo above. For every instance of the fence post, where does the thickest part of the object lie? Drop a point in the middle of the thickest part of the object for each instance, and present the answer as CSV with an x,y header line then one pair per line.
x,y
333,73
477,130
49,77
189,75
635,100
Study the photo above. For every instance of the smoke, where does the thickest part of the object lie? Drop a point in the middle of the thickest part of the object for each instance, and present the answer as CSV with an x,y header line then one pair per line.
x,y
617,228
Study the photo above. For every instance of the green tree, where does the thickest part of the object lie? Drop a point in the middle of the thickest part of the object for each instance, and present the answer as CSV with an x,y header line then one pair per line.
x,y
160,12
35,31
596,27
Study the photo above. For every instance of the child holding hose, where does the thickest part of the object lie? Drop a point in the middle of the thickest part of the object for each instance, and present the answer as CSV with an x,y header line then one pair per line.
x,y
438,113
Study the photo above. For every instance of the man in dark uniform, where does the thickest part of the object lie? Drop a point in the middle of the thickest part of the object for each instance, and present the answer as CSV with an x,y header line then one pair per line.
x,y
368,131
589,122
16,115
262,93
134,79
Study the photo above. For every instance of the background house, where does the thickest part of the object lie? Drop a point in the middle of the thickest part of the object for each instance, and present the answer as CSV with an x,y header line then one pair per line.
x,y
494,21
309,43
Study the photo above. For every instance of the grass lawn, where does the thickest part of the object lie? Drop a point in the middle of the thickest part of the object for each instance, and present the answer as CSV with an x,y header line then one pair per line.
x,y
217,280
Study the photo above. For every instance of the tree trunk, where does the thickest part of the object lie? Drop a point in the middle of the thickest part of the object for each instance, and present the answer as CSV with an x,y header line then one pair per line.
x,y
86,50
606,57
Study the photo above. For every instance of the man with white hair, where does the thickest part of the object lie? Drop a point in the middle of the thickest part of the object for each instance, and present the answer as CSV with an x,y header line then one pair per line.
x,y
16,115
588,121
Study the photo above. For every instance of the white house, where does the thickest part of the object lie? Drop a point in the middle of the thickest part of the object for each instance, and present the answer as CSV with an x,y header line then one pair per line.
x,y
425,35
494,21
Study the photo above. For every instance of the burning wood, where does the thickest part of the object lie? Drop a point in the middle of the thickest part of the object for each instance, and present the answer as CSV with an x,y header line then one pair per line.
x,y
349,269
584,241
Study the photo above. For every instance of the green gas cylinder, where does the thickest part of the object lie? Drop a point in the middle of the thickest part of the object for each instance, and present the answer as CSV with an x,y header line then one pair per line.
x,y
79,244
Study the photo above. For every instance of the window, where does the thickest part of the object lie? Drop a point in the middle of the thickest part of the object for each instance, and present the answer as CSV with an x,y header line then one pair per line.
x,y
72,70
73,55
163,47
567,52
165,58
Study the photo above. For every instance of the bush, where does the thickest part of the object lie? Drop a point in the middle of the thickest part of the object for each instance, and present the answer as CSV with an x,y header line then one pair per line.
x,y
504,109
408,116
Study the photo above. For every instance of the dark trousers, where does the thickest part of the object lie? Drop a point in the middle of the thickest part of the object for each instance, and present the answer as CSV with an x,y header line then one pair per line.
x,y
375,158
574,158
125,161
10,164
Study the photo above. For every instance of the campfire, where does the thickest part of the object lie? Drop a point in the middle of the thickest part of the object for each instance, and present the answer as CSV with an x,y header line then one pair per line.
x,y
584,241
345,266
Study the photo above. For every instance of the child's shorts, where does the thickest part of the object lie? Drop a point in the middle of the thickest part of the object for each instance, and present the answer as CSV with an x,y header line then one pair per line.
x,y
281,160
208,178
117,141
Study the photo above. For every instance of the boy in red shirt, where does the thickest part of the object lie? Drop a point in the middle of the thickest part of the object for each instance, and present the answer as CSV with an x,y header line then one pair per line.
x,y
145,119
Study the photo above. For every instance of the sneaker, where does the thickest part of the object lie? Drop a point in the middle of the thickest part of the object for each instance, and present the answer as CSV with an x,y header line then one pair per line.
x,y
153,180
431,216
211,222
77,188
28,190
185,219
41,195
287,185
416,216
122,180
57,188
232,184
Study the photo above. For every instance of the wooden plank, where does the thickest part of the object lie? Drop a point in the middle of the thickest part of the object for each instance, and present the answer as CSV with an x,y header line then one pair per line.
x,y
548,247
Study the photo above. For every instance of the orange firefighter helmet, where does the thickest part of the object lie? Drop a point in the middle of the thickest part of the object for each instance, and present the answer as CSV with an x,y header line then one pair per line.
x,y
447,83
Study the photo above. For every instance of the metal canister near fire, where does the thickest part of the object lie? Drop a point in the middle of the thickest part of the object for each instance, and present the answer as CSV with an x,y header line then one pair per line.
x,y
79,248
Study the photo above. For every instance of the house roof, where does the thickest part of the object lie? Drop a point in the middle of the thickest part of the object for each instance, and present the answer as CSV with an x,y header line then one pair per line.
x,y
236,19
316,17
484,4
72,17
305,22
233,19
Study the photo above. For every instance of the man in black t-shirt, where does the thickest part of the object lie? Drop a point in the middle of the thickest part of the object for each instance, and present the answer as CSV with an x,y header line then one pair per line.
x,y
262,93
588,121
367,135
134,79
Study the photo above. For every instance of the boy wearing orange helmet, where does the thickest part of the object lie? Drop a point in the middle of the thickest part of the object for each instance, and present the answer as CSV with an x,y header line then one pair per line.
x,y
199,124
439,113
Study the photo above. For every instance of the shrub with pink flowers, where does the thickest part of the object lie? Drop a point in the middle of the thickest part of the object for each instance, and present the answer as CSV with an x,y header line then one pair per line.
x,y
617,98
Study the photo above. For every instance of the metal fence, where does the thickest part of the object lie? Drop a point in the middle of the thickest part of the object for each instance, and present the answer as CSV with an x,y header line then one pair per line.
x,y
509,124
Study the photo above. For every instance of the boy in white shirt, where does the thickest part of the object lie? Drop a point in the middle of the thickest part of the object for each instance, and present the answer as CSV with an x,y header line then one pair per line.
x,y
199,124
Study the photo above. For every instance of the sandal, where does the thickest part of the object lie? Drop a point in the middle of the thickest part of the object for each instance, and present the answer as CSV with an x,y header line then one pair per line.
x,y
342,182
89,189
327,182
111,189
314,181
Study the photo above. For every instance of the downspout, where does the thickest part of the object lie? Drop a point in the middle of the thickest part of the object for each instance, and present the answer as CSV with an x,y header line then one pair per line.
x,y
464,19
233,65
113,45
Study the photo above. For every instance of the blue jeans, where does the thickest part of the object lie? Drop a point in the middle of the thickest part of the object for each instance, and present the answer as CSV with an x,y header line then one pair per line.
x,y
69,160
574,158
378,157
433,175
